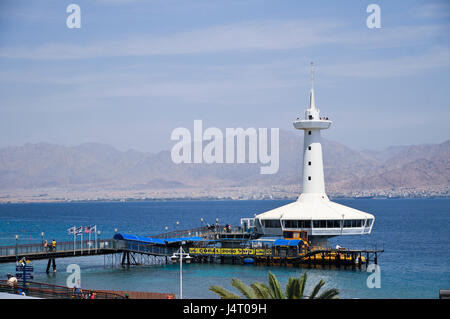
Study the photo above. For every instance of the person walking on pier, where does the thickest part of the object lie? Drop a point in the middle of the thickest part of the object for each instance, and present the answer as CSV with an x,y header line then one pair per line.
x,y
53,245
46,245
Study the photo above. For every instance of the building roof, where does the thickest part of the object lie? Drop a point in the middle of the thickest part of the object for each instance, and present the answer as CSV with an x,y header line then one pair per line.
x,y
177,240
286,242
157,241
314,208
141,239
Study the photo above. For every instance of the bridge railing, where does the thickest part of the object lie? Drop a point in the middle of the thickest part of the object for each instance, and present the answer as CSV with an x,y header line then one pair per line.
x,y
30,249
146,248
43,290
198,232
203,231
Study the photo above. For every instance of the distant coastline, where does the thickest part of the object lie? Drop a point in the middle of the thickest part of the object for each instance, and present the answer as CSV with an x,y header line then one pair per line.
x,y
290,192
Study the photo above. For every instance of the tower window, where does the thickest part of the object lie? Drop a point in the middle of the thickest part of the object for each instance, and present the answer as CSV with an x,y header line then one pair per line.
x,y
309,148
309,132
309,178
309,163
310,117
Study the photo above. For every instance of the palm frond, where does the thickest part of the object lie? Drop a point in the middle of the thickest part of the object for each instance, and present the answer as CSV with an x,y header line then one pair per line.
x,y
302,283
274,287
223,293
293,289
261,290
329,294
316,289
248,292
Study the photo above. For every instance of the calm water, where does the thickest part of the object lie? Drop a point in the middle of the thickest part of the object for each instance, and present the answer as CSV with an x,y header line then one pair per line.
x,y
415,234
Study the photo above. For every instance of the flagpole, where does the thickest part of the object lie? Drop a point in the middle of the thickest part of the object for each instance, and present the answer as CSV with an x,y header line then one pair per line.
x,y
89,246
82,240
95,234
74,239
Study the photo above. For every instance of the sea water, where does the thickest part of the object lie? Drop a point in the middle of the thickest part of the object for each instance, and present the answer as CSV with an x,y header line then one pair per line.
x,y
415,234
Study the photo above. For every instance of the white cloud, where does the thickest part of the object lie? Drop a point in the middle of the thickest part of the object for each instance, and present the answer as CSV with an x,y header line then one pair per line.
x,y
400,66
237,37
255,35
432,11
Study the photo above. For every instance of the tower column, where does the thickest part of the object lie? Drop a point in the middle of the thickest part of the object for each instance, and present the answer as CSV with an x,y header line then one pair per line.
x,y
313,177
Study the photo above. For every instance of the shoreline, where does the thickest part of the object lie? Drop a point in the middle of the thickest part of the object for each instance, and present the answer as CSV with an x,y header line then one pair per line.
x,y
199,199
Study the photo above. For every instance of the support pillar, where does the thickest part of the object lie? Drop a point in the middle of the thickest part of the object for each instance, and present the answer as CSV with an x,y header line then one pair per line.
x,y
52,262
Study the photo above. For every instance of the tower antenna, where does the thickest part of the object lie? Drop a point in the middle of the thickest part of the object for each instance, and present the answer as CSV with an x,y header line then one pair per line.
x,y
312,103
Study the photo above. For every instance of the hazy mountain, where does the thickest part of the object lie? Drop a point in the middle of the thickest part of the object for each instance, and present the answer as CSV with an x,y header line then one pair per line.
x,y
103,167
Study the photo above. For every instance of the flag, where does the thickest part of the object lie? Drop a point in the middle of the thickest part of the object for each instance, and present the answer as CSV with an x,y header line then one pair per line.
x,y
79,230
71,230
90,229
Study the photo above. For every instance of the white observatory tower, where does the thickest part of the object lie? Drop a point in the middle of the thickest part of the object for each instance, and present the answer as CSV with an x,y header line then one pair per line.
x,y
313,212
313,179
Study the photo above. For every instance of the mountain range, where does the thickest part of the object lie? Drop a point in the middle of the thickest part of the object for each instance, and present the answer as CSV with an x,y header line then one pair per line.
x,y
103,167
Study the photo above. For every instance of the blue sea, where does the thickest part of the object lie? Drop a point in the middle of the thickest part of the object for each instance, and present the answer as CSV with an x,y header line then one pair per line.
x,y
415,234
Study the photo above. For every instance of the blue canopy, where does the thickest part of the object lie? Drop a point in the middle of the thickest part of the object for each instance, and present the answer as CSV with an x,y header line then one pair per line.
x,y
177,240
141,239
286,242
159,241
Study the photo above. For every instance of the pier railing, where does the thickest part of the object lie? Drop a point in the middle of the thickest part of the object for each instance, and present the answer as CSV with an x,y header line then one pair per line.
x,y
205,232
199,231
34,249
42,290
143,248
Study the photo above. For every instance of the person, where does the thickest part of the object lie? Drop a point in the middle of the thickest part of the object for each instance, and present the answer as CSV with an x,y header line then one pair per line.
x,y
92,296
54,245
12,281
126,296
46,245
338,247
23,261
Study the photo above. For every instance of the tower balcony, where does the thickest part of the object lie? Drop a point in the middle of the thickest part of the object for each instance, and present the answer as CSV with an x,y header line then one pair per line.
x,y
321,124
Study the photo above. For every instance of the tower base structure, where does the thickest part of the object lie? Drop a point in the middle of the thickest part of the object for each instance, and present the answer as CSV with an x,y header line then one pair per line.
x,y
318,216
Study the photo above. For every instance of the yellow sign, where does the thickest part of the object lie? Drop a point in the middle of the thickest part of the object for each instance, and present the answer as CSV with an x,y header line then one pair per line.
x,y
229,251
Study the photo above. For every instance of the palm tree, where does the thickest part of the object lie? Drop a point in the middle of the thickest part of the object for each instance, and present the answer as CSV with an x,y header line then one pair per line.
x,y
294,289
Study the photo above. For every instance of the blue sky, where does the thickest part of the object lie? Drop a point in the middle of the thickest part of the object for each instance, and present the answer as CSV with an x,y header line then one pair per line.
x,y
137,69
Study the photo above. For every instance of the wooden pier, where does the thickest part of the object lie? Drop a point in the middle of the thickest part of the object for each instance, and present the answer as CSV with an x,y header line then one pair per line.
x,y
273,256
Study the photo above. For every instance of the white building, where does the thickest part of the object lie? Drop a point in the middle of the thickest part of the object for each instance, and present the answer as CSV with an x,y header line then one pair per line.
x,y
313,212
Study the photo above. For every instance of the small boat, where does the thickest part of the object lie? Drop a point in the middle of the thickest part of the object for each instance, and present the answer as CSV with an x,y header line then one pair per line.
x,y
248,260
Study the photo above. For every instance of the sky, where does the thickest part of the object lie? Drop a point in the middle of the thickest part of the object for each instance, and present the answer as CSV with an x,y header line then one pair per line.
x,y
138,69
